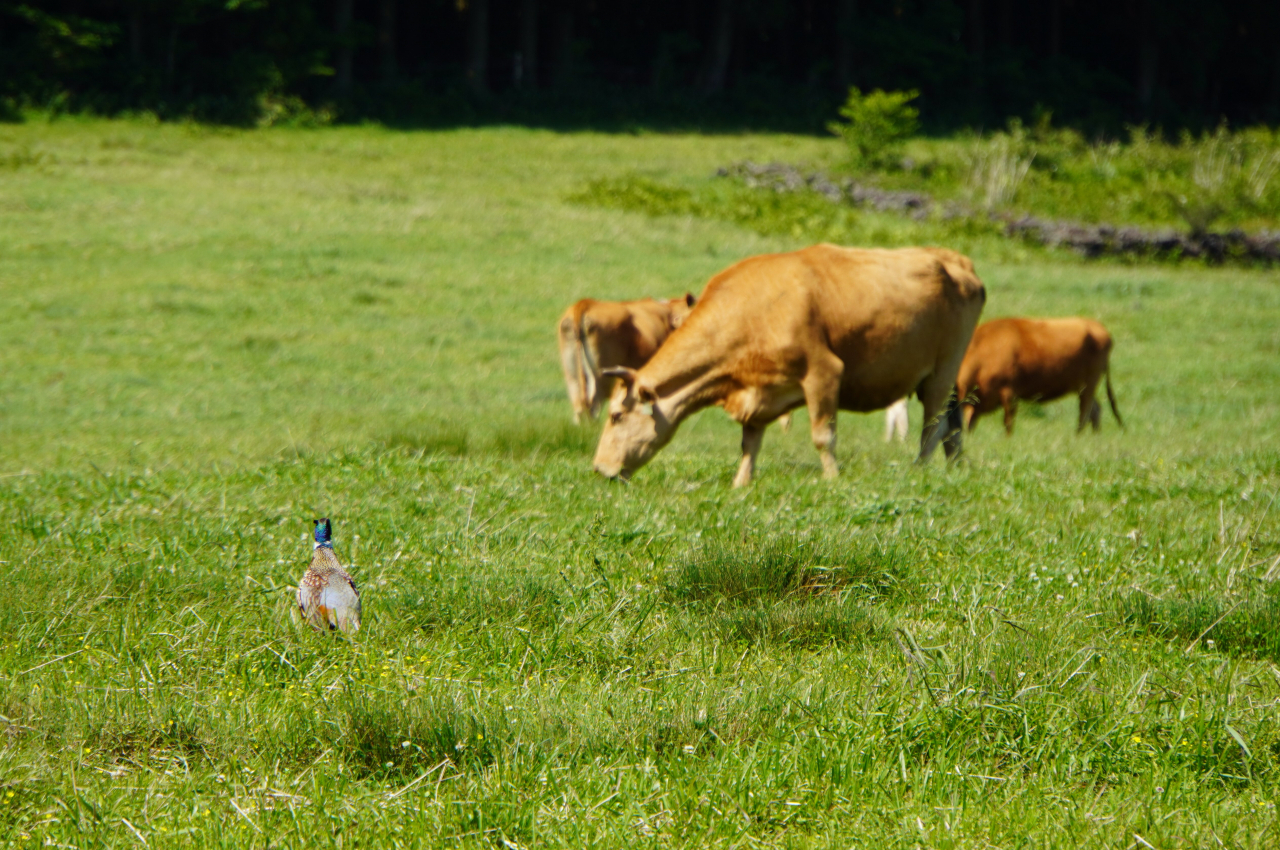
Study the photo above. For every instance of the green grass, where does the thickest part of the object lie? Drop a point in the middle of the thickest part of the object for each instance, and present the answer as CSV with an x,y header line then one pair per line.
x,y
209,337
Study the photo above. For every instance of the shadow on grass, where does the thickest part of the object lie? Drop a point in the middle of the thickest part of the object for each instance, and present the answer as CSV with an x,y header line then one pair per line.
x,y
1250,628
801,623
141,739
785,566
437,605
429,437
534,438
379,740
788,591
545,437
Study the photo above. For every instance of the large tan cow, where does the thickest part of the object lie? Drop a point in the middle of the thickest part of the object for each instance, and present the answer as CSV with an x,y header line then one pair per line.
x,y
1040,359
828,327
598,335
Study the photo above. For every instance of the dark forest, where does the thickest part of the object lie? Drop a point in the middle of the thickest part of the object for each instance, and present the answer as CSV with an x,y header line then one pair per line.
x,y
725,64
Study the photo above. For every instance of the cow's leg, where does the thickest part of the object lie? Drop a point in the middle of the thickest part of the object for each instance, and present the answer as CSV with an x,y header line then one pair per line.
x,y
937,392
1090,411
571,365
970,416
580,404
1010,404
752,437
895,421
934,396
953,442
942,424
821,387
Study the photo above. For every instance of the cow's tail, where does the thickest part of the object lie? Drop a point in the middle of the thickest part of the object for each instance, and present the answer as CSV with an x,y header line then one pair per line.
x,y
1111,399
575,360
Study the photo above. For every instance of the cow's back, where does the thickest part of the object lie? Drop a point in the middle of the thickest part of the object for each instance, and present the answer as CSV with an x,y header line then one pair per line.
x,y
891,316
1036,358
839,291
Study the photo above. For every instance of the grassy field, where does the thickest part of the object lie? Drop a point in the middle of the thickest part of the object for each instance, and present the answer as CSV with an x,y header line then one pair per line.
x,y
208,337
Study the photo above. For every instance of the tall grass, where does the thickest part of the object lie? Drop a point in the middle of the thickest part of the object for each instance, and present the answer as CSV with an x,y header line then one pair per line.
x,y
998,168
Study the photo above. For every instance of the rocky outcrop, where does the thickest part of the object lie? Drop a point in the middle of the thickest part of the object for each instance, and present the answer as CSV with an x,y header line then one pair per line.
x,y
1091,240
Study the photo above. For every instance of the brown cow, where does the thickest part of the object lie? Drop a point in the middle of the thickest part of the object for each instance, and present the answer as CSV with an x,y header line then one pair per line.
x,y
1040,359
828,327
598,335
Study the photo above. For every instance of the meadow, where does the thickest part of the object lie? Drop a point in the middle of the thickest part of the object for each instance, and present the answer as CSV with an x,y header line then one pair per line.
x,y
209,336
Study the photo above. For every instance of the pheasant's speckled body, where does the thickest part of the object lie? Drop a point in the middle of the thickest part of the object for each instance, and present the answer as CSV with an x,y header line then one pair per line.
x,y
327,595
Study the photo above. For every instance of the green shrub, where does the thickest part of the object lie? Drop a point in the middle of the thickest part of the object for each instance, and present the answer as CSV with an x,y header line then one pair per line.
x,y
876,124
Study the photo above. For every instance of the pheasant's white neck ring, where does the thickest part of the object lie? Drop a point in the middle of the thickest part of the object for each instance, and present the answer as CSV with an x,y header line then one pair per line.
x,y
325,545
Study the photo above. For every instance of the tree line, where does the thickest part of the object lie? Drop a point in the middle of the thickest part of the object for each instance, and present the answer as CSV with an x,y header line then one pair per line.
x,y
770,63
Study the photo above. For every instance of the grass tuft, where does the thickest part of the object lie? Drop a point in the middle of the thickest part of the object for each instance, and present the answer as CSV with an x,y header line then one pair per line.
x,y
1249,628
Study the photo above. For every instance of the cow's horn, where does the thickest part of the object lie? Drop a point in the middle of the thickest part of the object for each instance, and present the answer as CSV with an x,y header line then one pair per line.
x,y
624,373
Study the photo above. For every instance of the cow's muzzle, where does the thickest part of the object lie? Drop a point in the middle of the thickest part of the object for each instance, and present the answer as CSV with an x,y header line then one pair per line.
x,y
618,474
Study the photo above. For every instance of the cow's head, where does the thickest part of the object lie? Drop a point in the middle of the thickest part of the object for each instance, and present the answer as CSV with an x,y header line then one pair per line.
x,y
635,430
680,308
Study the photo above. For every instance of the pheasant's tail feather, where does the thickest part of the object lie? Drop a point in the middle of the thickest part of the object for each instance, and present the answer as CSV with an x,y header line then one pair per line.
x,y
348,619
341,604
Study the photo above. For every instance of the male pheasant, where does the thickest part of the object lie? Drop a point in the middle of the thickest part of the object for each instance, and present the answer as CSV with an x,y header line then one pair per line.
x,y
327,595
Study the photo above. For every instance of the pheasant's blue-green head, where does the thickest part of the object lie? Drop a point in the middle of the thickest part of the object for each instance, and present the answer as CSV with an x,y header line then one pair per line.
x,y
324,533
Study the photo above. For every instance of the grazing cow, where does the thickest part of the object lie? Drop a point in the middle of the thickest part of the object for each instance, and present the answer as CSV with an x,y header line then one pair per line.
x,y
827,327
1040,359
896,422
598,335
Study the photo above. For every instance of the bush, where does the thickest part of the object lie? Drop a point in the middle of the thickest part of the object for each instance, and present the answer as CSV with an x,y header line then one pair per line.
x,y
1229,171
877,124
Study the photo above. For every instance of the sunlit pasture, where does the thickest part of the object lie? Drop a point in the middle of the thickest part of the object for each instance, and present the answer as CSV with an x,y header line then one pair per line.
x,y
210,337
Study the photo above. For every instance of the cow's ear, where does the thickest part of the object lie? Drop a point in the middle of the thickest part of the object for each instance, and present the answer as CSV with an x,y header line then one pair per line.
x,y
690,299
